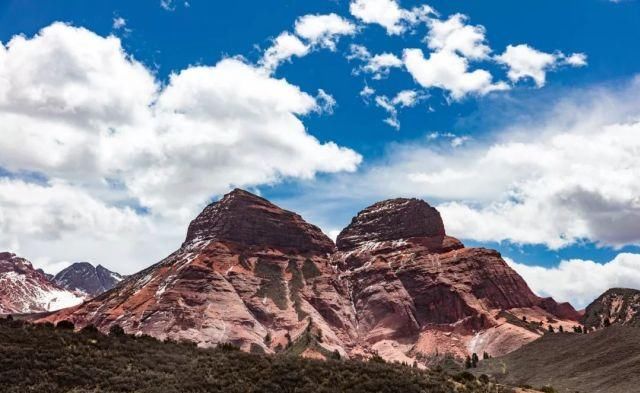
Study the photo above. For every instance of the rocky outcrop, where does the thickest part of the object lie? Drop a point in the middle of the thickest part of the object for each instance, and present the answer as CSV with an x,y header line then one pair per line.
x,y
616,306
411,283
247,219
84,277
24,289
260,277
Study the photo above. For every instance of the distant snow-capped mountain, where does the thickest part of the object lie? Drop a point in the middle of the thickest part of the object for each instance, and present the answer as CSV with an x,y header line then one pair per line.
x,y
24,289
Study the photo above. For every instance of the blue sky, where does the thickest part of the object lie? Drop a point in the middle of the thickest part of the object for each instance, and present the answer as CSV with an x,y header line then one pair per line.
x,y
540,169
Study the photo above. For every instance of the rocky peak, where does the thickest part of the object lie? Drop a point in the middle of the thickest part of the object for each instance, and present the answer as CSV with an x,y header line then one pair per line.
x,y
615,306
10,262
84,277
393,219
250,220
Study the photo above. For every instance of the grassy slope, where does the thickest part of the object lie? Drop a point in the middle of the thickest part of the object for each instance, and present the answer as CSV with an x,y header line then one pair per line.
x,y
43,359
607,360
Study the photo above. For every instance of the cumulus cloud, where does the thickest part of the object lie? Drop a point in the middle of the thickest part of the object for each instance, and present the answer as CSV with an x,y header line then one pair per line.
x,y
284,47
316,30
102,134
454,35
454,45
323,30
581,281
449,71
388,14
526,62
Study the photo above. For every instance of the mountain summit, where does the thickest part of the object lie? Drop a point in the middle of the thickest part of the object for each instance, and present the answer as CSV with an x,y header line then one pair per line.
x,y
248,220
393,219
84,277
260,277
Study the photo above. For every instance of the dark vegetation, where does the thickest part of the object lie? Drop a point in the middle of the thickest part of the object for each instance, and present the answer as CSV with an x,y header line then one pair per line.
x,y
272,285
295,286
48,359
605,360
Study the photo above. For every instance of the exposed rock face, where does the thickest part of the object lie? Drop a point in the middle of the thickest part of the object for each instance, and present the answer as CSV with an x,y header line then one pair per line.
x,y
248,273
409,282
255,275
24,289
249,220
84,277
615,306
393,219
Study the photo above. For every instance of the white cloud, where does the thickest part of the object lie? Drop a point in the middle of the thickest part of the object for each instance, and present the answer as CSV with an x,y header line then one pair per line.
x,y
454,35
581,281
119,22
567,176
388,13
103,135
454,140
576,60
526,62
449,71
167,5
317,30
324,30
367,92
404,99
325,101
379,65
284,47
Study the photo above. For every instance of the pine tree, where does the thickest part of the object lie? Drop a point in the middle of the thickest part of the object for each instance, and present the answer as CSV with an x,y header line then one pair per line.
x,y
474,360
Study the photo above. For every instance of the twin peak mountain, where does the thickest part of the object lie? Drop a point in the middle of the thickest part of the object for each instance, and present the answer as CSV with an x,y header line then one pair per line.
x,y
260,277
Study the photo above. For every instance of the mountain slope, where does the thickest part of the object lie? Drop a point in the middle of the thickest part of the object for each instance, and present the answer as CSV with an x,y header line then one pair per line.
x,y
615,306
258,276
607,360
412,284
248,273
84,277
24,289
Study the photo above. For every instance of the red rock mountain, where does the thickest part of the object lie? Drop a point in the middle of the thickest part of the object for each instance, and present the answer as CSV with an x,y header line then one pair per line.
x,y
24,289
258,276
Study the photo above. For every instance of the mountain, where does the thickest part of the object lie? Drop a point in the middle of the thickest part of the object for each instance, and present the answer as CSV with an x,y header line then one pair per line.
x,y
606,360
615,306
24,289
84,277
260,277
418,292
248,273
